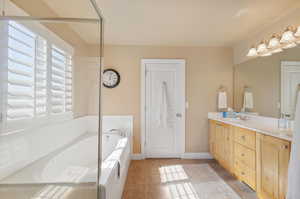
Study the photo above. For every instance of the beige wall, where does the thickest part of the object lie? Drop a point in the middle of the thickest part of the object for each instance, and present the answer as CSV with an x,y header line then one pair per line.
x,y
262,75
207,68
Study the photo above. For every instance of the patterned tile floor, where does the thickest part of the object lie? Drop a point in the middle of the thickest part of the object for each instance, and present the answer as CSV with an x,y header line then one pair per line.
x,y
182,179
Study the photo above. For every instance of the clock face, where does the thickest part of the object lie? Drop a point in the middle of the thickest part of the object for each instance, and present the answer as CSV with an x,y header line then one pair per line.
x,y
111,78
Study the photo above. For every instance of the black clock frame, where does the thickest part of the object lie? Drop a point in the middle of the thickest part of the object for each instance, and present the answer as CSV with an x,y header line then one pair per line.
x,y
118,75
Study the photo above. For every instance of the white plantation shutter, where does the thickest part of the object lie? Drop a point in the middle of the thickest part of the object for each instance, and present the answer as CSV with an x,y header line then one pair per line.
x,y
61,81
41,77
69,85
37,78
20,85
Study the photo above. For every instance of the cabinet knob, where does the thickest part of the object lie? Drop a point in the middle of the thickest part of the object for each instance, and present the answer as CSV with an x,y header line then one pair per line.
x,y
243,137
243,173
243,154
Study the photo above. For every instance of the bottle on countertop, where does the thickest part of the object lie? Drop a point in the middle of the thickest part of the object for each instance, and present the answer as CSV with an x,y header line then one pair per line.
x,y
283,122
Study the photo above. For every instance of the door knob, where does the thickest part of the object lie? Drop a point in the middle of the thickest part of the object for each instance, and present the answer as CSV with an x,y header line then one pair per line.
x,y
178,115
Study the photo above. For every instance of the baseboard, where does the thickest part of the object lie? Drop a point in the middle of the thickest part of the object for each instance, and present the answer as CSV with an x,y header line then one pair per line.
x,y
137,156
204,155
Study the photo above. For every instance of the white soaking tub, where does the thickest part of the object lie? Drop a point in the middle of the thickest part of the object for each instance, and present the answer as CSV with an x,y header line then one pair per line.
x,y
77,161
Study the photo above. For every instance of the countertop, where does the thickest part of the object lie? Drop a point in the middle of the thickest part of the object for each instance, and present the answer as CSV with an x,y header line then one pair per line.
x,y
256,124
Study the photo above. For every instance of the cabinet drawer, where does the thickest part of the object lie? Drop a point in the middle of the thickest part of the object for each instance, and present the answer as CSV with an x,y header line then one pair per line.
x,y
245,155
245,174
245,137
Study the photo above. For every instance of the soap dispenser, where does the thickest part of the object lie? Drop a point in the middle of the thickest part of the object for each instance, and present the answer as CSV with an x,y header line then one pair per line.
x,y
282,122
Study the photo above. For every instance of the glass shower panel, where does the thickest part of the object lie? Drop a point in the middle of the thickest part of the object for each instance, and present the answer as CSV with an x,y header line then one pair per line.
x,y
49,140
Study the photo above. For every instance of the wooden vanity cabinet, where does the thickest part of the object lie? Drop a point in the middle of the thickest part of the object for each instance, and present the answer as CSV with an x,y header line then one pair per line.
x,y
221,144
259,160
212,140
272,167
245,156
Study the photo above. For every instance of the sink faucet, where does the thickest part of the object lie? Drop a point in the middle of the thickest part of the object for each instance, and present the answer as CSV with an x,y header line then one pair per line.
x,y
243,117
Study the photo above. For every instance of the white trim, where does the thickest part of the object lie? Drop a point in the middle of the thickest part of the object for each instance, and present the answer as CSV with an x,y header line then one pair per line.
x,y
203,155
137,156
163,156
143,94
287,67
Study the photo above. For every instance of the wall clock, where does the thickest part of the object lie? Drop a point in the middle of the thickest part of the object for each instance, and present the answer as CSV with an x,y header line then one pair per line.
x,y
111,78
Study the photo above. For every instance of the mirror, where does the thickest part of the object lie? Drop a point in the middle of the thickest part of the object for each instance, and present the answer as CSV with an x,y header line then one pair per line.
x,y
267,85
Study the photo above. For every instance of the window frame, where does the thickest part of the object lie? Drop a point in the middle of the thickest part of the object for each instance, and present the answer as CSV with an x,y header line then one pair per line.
x,y
9,127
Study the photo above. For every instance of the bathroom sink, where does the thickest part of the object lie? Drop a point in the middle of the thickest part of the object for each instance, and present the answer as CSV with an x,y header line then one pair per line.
x,y
233,119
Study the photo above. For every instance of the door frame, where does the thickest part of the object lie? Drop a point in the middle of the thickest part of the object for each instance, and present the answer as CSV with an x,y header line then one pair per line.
x,y
286,68
181,137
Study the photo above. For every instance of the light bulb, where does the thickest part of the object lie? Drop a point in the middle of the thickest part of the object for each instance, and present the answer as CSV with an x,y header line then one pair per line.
x,y
252,52
262,48
288,36
274,42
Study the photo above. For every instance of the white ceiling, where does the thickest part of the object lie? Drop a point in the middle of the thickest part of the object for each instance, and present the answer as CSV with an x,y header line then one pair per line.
x,y
176,22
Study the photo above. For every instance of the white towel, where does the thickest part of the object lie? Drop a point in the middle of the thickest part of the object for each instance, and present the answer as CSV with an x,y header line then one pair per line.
x,y
222,100
248,100
294,165
166,109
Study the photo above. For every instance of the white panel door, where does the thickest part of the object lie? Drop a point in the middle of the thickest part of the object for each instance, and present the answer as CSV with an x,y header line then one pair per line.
x,y
290,83
165,104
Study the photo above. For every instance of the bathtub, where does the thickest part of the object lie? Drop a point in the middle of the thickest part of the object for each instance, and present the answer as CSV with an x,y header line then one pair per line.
x,y
82,167
76,162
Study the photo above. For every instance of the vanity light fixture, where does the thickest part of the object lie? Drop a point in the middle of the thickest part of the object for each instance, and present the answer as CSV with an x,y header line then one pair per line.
x,y
274,44
289,39
266,54
277,50
288,36
252,52
297,34
290,45
262,48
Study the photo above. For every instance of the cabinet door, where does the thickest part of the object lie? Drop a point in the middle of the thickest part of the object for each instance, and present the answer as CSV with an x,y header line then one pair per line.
x,y
226,148
219,143
272,167
212,137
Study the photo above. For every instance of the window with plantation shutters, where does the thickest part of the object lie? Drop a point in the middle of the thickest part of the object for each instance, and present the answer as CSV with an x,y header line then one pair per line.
x,y
21,73
69,85
41,77
61,81
37,77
